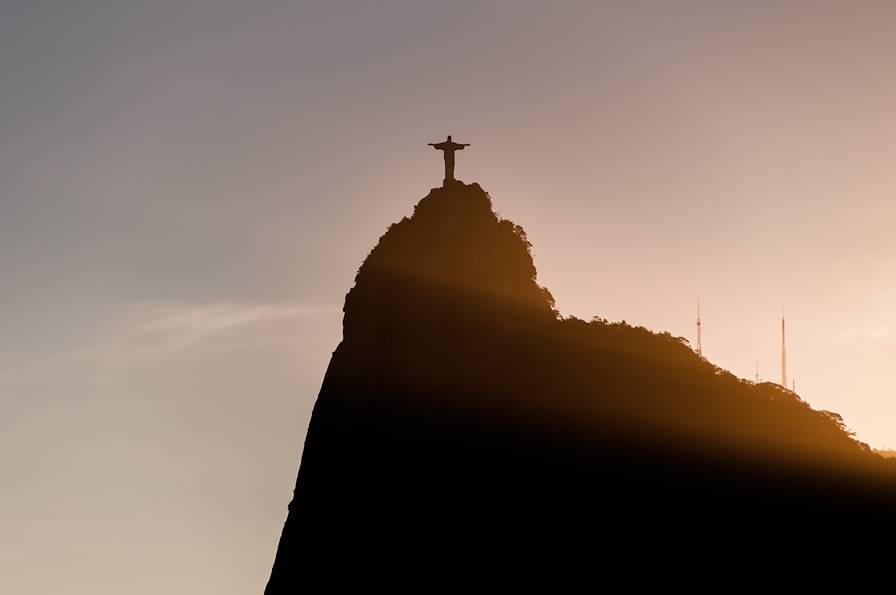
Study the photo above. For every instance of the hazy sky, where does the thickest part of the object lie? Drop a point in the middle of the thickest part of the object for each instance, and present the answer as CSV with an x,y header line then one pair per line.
x,y
188,187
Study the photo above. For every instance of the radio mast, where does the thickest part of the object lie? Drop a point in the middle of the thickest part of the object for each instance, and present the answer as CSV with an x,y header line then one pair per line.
x,y
783,354
699,334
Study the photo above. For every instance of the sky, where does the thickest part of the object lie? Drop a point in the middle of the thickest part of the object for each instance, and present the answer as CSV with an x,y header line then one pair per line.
x,y
188,187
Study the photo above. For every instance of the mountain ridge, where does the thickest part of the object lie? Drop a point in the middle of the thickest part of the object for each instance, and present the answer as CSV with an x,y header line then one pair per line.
x,y
458,387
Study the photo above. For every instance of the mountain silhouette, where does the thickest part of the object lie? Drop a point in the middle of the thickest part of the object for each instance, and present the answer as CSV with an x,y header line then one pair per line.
x,y
461,413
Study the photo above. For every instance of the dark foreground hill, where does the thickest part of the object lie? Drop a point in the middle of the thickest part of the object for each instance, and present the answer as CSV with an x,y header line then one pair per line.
x,y
461,416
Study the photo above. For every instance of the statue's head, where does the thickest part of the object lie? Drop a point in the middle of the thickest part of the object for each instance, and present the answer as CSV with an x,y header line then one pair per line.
x,y
449,138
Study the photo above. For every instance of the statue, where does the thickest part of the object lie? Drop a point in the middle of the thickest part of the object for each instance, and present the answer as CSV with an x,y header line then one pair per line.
x,y
448,148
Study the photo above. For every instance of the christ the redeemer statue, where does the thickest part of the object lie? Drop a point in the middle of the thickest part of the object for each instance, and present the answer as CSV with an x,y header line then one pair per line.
x,y
448,148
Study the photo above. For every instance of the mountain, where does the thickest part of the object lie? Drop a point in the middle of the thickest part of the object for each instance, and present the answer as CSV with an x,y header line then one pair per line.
x,y
462,413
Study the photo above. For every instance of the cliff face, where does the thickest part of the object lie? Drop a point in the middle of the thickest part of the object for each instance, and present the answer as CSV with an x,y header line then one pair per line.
x,y
460,407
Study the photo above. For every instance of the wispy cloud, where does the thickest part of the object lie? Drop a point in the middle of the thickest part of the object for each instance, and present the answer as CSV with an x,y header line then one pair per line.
x,y
179,327
883,332
149,331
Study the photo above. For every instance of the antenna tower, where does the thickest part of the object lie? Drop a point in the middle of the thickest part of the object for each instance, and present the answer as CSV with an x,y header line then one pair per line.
x,y
699,333
783,355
